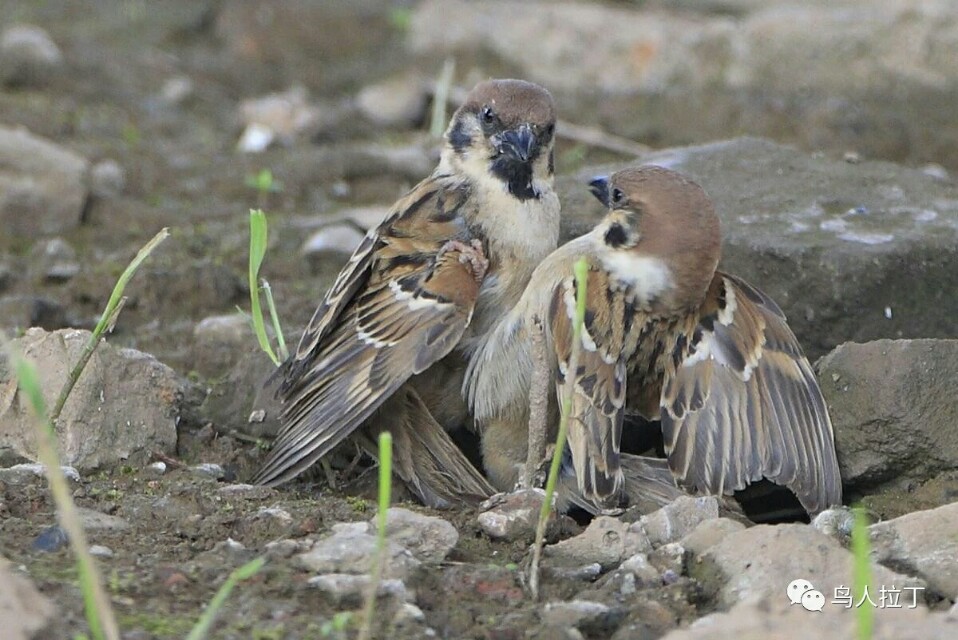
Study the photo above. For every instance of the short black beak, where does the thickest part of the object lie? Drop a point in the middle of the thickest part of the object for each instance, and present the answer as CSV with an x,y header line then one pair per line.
x,y
599,186
520,144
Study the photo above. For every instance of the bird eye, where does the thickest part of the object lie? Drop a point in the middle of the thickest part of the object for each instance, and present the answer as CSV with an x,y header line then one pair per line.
x,y
550,130
487,117
617,196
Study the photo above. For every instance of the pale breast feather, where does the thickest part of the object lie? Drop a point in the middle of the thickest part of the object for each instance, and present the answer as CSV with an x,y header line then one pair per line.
x,y
646,276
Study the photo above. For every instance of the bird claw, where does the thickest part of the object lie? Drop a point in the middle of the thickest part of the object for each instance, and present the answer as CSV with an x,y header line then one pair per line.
x,y
470,254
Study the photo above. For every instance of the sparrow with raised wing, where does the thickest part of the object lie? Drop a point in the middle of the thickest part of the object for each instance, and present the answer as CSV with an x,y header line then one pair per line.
x,y
670,338
421,293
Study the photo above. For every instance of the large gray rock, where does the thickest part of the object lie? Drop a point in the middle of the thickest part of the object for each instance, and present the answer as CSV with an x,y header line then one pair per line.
x,y
894,409
42,185
849,251
428,538
761,562
25,613
924,543
839,75
124,406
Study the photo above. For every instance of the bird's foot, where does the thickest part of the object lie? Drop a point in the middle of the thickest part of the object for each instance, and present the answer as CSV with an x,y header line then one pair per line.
x,y
470,254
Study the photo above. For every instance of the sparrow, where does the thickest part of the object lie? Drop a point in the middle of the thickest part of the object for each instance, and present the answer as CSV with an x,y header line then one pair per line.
x,y
670,338
388,346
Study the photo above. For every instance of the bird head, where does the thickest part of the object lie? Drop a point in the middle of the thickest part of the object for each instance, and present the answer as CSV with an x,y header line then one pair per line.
x,y
504,131
661,235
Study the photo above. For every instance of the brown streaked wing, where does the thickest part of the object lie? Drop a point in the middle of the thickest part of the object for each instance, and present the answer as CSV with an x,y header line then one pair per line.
x,y
407,312
598,403
741,402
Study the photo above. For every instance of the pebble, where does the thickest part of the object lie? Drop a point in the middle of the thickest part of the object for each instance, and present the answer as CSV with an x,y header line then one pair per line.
x,y
512,516
28,56
209,469
107,179
100,551
348,590
50,539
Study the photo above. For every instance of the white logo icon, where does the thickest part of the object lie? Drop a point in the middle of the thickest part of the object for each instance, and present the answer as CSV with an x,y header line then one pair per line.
x,y
813,600
797,588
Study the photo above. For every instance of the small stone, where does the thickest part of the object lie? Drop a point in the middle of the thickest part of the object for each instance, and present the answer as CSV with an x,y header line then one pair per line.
x,y
573,613
397,102
93,520
335,241
257,416
584,573
35,470
678,518
54,260
177,90
100,551
219,342
348,591
428,538
277,116
351,548
709,533
209,469
275,513
605,541
28,56
642,571
107,179
669,558
512,516
159,468
51,539
286,548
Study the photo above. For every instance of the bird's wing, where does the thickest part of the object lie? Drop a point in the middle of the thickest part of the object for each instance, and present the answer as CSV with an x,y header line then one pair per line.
x,y
598,401
740,402
399,306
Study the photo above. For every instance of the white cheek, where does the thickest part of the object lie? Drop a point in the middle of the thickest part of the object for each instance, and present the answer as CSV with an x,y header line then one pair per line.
x,y
646,276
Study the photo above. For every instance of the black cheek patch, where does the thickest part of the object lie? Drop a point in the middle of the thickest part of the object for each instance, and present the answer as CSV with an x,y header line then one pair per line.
x,y
458,137
616,236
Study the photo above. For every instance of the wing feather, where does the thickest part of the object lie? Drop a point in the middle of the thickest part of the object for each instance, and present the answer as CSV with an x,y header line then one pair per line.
x,y
762,414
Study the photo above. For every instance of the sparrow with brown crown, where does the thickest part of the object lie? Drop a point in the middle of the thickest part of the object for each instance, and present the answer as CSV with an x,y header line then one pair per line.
x,y
670,338
387,347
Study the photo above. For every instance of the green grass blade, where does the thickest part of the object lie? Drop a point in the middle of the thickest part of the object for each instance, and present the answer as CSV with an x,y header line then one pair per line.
x,y
257,251
581,271
862,574
205,622
385,495
107,319
437,122
274,317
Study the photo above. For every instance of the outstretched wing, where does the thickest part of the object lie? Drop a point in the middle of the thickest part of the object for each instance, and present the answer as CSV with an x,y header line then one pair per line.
x,y
598,401
398,306
740,402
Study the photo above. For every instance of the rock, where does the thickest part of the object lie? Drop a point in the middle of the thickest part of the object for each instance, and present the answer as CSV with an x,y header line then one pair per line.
x,y
347,591
20,473
54,260
209,470
124,406
219,342
51,539
512,516
606,541
398,103
177,90
99,551
223,406
20,312
893,409
277,116
573,613
334,242
709,533
351,549
923,543
773,619
778,69
42,185
428,538
28,56
678,518
99,521
354,39
669,561
761,562
644,574
819,237
25,613
107,179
